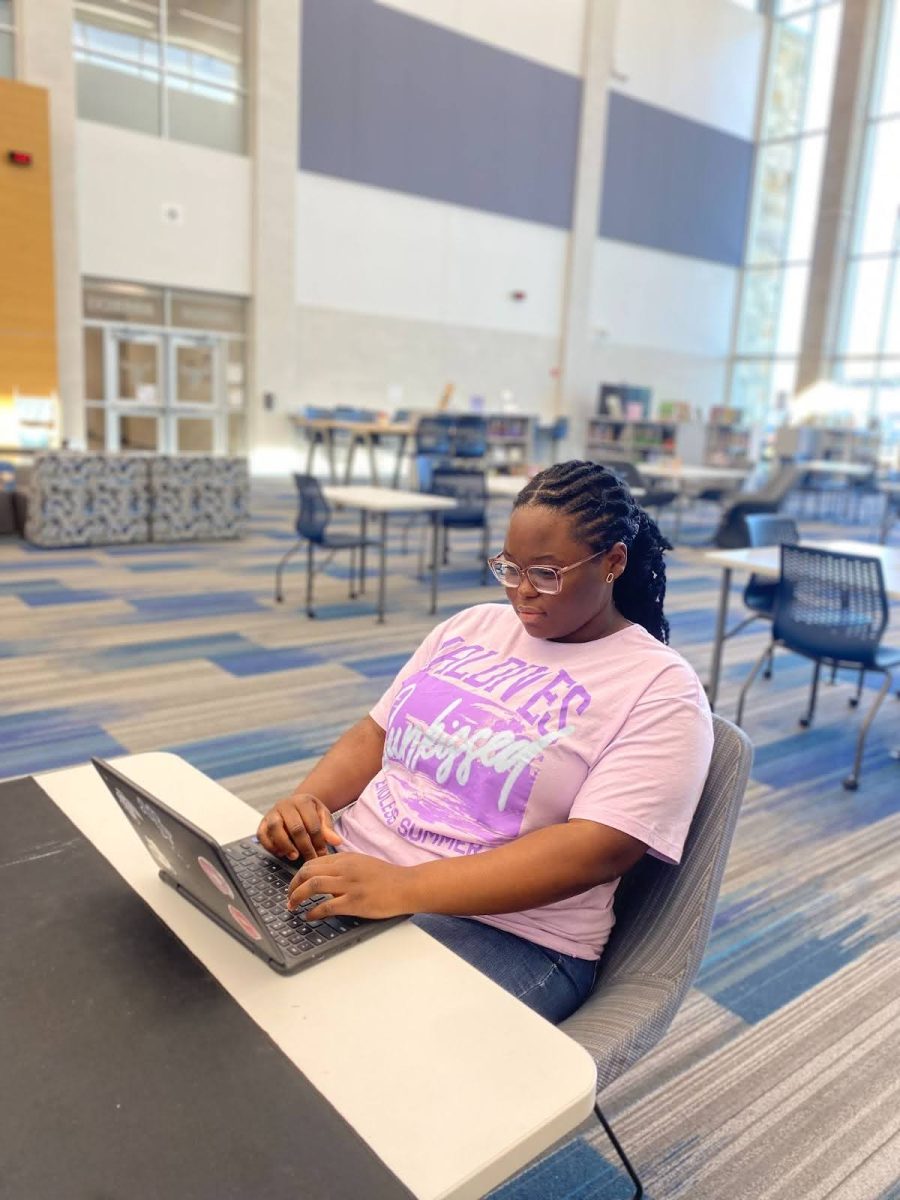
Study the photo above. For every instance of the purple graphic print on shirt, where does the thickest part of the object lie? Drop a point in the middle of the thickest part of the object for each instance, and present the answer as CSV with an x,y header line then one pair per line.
x,y
465,763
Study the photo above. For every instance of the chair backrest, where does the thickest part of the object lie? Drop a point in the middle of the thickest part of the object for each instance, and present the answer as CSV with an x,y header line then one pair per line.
x,y
828,605
7,476
434,435
770,529
628,473
470,436
779,484
766,529
468,488
663,918
314,511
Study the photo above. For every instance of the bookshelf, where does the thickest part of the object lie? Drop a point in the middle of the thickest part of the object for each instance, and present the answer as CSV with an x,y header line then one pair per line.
x,y
510,438
823,442
695,443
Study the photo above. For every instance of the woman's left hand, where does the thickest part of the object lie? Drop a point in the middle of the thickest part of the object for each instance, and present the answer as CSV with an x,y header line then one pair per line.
x,y
358,886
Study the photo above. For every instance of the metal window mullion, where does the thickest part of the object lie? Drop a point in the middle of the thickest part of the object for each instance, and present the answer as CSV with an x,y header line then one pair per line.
x,y
163,69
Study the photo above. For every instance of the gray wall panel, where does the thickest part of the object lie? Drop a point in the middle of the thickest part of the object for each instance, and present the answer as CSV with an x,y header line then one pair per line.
x,y
674,184
399,103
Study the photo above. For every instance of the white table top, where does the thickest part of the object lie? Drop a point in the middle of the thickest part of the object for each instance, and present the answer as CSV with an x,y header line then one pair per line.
x,y
828,466
765,560
890,486
505,487
686,473
383,499
450,1080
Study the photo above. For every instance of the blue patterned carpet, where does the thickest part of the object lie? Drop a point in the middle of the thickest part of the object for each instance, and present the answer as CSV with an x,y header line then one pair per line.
x,y
781,1075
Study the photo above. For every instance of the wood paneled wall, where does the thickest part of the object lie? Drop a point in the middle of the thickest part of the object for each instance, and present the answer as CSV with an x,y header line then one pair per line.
x,y
27,296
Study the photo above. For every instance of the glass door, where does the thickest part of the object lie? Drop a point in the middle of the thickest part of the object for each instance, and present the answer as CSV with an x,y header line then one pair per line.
x,y
134,385
197,414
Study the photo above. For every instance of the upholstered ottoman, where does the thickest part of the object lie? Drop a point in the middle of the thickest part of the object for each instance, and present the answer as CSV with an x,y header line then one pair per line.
x,y
197,497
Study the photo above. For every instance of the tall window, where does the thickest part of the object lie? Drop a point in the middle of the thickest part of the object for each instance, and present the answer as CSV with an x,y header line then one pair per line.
x,y
175,68
7,40
787,182
869,339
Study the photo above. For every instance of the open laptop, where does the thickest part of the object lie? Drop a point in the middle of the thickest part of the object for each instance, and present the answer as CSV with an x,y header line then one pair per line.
x,y
240,886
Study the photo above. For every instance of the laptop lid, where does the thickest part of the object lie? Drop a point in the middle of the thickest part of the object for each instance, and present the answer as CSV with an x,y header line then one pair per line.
x,y
189,859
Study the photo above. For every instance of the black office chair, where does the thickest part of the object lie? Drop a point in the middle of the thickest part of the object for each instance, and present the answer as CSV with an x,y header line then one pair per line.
x,y
434,436
731,531
831,608
654,497
469,489
313,515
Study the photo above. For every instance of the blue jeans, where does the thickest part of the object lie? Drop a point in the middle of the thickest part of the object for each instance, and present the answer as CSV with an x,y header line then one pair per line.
x,y
551,983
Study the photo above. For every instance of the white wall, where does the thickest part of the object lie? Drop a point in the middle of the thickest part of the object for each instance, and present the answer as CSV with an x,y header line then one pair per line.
x,y
368,250
698,58
125,180
546,31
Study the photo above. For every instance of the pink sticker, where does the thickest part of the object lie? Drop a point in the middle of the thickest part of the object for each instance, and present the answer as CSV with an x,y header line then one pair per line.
x,y
245,923
215,876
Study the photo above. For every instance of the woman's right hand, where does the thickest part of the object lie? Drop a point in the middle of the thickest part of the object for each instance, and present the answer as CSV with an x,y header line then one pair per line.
x,y
299,827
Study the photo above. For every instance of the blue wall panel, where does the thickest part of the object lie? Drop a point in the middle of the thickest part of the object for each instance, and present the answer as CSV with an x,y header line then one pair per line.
x,y
399,103
674,184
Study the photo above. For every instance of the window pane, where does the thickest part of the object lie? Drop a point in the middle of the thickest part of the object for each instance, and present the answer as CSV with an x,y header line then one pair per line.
x,y
205,40
762,390
234,377
95,424
194,436
94,377
886,98
237,434
138,433
119,95
791,57
138,374
824,60
794,286
194,374
123,302
864,300
7,56
774,302
807,186
881,224
204,115
775,177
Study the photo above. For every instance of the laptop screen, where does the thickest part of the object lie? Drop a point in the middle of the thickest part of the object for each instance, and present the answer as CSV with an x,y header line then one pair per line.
x,y
187,856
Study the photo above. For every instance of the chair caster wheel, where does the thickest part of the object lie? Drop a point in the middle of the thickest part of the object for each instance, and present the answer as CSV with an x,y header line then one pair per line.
x,y
310,613
851,783
767,674
279,599
804,722
853,701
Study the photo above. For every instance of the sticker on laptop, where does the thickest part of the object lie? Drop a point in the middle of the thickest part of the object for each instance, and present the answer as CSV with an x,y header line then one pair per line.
x,y
215,876
244,923
158,857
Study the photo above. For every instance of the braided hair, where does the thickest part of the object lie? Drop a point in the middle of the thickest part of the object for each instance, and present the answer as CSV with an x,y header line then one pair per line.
x,y
604,512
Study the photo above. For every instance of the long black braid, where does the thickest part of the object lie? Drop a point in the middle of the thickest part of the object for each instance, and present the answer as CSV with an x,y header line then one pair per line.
x,y
604,513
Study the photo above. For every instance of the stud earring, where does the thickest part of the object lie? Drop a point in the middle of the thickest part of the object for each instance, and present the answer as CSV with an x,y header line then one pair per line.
x,y
610,577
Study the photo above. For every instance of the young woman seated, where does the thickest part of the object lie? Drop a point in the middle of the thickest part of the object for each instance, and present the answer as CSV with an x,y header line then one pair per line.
x,y
524,758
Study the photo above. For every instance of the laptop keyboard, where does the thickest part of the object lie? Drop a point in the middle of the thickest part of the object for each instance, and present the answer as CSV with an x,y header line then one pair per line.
x,y
265,880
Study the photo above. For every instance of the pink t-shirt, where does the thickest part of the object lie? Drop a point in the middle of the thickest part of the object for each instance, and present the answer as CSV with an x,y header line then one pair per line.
x,y
491,733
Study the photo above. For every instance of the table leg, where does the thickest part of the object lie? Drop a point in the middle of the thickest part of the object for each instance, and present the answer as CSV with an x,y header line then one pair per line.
x,y
329,447
382,569
435,558
712,688
351,450
313,437
363,533
373,464
398,465
885,521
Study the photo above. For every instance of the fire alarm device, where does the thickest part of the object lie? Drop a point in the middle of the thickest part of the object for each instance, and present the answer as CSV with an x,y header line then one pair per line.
x,y
19,158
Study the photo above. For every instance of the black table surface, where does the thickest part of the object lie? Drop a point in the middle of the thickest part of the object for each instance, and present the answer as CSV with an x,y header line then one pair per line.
x,y
126,1071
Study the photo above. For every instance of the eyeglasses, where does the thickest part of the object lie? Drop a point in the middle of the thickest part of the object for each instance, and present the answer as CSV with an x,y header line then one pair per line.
x,y
543,579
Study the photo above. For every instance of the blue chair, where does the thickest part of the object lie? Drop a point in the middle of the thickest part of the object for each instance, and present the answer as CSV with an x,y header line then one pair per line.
x,y
469,489
469,436
831,608
434,436
313,516
764,529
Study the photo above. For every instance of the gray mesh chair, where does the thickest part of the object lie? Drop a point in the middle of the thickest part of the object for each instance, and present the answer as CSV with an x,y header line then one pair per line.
x,y
663,918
